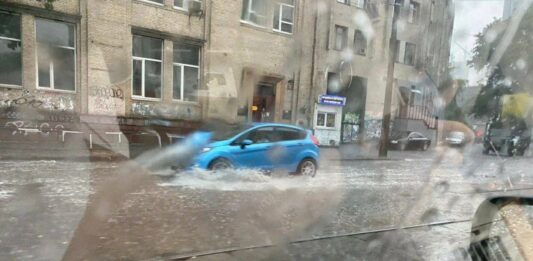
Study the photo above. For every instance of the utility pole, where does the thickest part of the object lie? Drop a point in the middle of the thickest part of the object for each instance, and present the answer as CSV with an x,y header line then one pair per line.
x,y
385,126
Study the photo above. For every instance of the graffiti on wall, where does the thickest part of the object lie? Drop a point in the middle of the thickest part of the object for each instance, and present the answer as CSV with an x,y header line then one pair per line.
x,y
373,128
44,128
166,111
106,100
36,100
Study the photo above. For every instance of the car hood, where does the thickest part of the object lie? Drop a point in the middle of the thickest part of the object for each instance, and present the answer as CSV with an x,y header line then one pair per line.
x,y
218,143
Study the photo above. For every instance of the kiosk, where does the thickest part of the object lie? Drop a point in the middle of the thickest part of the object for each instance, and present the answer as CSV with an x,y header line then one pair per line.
x,y
328,118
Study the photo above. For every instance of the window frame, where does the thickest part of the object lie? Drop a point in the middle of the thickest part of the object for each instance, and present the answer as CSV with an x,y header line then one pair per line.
x,y
364,42
182,80
326,116
280,19
143,67
414,13
344,38
6,85
249,10
51,67
152,2
344,2
183,8
405,54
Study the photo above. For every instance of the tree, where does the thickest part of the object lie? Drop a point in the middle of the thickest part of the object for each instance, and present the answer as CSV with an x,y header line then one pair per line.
x,y
509,74
48,4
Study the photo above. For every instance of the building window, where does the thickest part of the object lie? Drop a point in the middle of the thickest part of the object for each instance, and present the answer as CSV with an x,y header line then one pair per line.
x,y
360,3
325,119
56,55
410,51
254,12
414,11
284,16
147,67
179,4
158,2
341,37
186,72
346,2
360,43
10,50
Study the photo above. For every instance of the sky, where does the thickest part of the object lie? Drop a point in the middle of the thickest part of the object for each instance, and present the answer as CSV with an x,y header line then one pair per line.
x,y
471,16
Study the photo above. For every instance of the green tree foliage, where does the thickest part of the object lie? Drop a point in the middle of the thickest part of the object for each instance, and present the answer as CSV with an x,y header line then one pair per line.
x,y
48,4
511,73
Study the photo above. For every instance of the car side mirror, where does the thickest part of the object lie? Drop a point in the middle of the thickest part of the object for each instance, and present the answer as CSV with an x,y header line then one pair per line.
x,y
245,143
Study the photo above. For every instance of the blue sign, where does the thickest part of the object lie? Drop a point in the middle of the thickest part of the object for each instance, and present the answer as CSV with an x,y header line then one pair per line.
x,y
332,100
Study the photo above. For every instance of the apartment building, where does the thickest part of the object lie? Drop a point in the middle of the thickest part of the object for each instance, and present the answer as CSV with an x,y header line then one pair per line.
x,y
351,57
107,68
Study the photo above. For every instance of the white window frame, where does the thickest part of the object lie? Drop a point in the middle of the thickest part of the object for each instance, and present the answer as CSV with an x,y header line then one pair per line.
x,y
182,80
344,38
326,116
280,20
143,66
249,10
183,8
21,68
152,2
51,65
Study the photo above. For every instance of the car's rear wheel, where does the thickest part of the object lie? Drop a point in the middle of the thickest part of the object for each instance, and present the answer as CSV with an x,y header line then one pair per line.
x,y
307,167
220,164
402,146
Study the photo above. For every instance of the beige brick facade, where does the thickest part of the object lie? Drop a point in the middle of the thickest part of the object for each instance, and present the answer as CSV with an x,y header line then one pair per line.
x,y
242,66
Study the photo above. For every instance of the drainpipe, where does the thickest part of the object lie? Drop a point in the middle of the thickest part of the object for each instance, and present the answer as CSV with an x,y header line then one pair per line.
x,y
312,87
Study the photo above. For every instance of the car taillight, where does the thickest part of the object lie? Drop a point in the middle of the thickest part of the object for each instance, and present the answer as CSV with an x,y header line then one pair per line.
x,y
315,140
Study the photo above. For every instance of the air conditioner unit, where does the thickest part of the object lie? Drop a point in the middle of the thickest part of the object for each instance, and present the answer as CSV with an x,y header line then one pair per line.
x,y
194,7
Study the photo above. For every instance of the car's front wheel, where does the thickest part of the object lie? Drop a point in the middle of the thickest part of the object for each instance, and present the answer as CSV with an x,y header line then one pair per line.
x,y
307,167
425,146
220,164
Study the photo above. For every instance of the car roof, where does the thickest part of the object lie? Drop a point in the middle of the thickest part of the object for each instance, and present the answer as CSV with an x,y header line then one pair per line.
x,y
274,124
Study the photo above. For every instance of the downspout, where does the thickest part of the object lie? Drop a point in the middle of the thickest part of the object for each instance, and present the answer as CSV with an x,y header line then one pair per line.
x,y
312,87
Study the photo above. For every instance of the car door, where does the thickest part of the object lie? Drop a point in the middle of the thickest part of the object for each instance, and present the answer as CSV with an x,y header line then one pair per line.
x,y
290,142
254,155
416,140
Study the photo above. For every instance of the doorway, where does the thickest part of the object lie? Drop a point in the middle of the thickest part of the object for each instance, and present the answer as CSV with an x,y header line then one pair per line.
x,y
264,101
353,114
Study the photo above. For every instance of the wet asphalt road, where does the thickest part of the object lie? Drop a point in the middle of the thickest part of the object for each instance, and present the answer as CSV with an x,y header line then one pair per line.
x,y
345,212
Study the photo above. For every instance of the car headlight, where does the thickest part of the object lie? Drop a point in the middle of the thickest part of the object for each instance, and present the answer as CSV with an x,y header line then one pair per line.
x,y
206,149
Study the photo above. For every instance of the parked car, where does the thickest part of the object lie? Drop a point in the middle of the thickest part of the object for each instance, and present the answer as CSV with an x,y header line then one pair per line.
x,y
409,141
456,138
264,146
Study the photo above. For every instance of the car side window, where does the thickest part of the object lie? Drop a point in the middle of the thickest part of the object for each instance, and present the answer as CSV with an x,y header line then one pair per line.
x,y
416,135
258,136
287,134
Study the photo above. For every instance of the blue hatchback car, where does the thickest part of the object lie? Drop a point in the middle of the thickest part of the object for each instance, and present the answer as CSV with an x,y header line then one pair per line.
x,y
264,146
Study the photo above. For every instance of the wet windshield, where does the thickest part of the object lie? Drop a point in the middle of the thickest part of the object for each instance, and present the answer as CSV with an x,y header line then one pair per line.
x,y
372,129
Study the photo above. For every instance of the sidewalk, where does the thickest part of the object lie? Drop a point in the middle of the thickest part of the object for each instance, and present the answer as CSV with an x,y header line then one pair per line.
x,y
366,151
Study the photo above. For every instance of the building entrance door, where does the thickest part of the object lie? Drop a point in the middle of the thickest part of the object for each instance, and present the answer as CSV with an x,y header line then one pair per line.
x,y
264,101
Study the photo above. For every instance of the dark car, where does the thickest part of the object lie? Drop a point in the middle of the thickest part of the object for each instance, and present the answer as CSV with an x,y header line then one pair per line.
x,y
409,141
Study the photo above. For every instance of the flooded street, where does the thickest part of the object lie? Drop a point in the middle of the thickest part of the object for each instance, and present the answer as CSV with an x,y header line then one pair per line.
x,y
347,210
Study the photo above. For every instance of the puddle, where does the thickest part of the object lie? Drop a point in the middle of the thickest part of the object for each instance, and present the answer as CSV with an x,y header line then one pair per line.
x,y
249,180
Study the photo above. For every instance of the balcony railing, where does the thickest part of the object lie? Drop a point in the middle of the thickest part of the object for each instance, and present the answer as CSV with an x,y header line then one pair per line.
x,y
418,112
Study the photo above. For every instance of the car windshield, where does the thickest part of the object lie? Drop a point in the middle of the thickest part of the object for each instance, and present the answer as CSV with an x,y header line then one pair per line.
x,y
263,129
